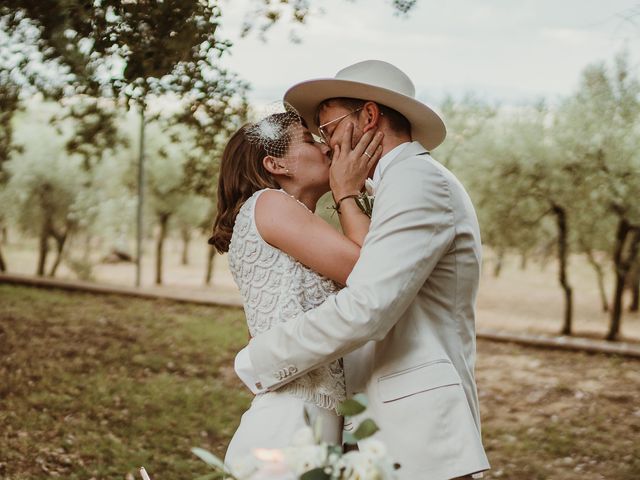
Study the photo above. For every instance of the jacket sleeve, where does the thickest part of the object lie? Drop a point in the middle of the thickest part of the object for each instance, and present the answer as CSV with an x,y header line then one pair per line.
x,y
412,228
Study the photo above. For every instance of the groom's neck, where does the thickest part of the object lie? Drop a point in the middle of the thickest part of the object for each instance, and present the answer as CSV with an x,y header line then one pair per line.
x,y
392,139
389,144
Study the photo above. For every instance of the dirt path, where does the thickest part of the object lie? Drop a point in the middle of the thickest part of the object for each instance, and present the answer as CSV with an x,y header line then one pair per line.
x,y
559,415
518,300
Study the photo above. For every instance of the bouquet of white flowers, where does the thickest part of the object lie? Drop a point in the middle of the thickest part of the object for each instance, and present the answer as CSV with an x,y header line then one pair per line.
x,y
309,459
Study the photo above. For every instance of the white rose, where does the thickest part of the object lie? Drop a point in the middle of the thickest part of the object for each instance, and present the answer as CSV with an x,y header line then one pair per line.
x,y
373,447
363,465
304,458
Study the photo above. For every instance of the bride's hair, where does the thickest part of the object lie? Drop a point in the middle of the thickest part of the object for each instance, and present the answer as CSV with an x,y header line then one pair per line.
x,y
242,172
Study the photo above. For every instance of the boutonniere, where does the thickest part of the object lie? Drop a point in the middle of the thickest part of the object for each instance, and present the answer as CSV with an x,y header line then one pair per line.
x,y
365,203
366,198
370,187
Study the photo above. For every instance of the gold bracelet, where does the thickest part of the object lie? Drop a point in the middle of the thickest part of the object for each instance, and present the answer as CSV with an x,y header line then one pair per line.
x,y
337,208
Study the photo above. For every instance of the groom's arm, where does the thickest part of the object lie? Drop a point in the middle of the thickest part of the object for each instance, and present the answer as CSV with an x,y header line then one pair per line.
x,y
412,228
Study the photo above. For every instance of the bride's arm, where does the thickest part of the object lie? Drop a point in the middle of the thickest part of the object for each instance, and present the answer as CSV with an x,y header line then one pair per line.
x,y
292,228
354,222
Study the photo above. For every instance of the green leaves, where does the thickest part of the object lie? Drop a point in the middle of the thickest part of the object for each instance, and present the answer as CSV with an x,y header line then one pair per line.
x,y
214,462
316,474
351,408
365,203
367,428
208,458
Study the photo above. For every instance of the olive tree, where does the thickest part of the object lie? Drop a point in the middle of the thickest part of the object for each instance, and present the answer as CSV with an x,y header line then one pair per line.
x,y
601,135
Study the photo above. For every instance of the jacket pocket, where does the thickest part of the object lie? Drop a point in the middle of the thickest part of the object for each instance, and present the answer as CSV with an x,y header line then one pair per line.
x,y
421,378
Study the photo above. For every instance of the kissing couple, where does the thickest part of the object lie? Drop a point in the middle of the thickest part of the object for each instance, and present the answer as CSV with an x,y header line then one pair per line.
x,y
385,308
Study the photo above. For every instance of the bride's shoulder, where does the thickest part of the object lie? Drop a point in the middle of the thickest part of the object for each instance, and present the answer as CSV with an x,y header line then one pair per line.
x,y
276,209
271,200
250,202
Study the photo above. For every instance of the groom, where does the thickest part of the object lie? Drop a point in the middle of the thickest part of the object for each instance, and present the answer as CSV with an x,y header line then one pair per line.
x,y
405,323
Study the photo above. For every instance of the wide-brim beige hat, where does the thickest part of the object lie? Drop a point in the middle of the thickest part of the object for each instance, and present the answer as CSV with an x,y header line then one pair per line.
x,y
376,81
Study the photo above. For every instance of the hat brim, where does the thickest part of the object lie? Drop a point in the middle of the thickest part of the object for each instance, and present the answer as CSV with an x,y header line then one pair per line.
x,y
426,125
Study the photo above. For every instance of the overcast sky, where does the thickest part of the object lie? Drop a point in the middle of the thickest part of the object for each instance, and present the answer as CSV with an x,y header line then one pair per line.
x,y
504,50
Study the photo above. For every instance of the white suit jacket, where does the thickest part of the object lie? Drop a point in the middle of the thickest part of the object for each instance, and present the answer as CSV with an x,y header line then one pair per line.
x,y
410,301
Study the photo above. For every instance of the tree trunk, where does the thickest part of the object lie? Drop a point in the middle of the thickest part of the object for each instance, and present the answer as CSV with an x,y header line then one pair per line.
x,y
633,282
86,250
497,268
140,209
162,235
3,241
622,266
46,229
635,297
523,261
60,242
43,248
211,254
186,238
600,276
563,253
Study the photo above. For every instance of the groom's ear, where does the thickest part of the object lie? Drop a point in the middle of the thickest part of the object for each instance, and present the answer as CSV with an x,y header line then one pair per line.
x,y
371,112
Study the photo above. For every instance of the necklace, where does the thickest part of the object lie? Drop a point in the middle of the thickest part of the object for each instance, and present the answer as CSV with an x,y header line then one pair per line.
x,y
287,193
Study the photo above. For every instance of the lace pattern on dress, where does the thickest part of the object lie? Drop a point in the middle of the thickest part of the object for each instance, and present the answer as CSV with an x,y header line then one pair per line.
x,y
276,288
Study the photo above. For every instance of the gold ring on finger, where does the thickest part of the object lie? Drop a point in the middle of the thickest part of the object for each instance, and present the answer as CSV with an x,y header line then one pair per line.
x,y
368,154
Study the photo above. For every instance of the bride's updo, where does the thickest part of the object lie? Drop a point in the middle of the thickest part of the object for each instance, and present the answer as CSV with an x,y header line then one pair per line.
x,y
242,172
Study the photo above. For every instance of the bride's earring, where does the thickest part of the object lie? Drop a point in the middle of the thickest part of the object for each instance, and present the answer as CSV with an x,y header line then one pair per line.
x,y
287,172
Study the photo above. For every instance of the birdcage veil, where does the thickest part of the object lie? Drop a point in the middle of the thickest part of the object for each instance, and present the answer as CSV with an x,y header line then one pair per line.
x,y
276,128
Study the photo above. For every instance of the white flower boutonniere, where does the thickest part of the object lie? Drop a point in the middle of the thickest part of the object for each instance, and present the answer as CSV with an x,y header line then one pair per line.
x,y
365,203
366,198
370,187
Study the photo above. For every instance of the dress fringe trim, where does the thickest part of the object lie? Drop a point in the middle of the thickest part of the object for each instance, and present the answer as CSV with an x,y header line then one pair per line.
x,y
322,400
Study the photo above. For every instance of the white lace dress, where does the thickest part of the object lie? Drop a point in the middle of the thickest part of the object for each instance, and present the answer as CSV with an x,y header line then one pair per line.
x,y
276,288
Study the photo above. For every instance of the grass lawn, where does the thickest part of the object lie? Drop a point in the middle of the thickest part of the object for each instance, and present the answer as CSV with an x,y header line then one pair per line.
x,y
95,386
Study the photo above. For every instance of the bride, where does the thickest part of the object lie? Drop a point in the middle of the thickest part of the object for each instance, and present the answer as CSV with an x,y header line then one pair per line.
x,y
286,260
